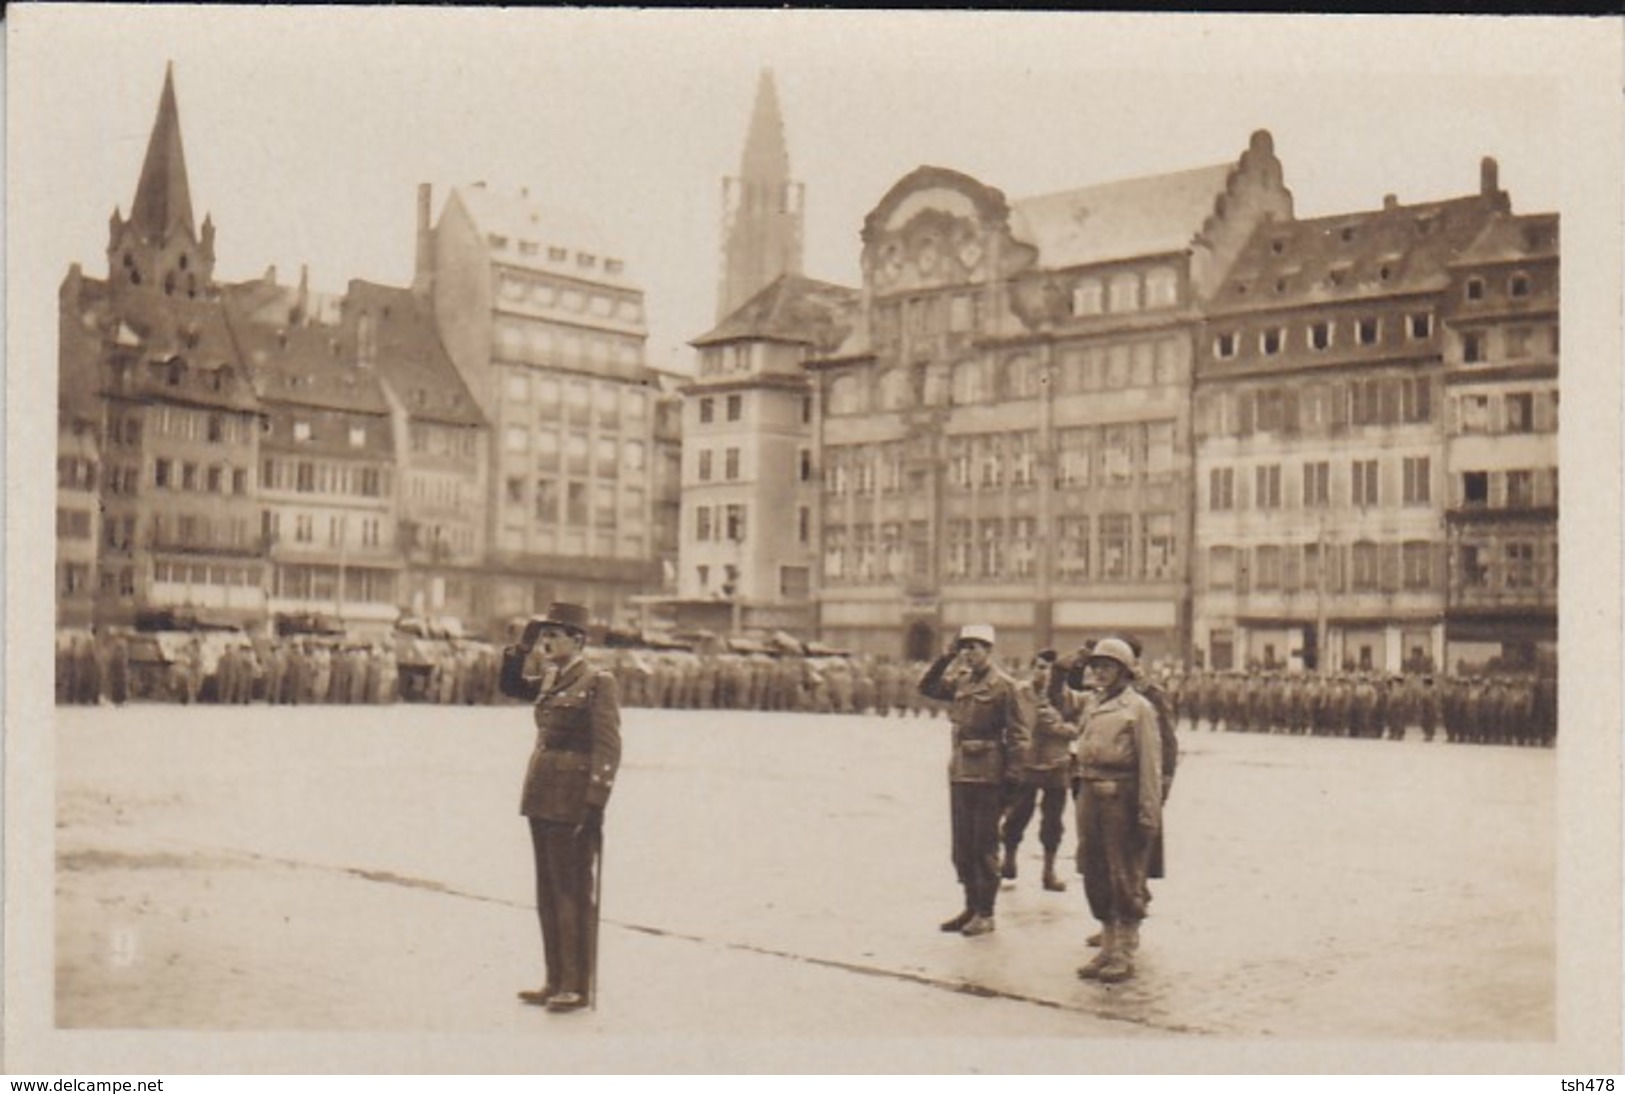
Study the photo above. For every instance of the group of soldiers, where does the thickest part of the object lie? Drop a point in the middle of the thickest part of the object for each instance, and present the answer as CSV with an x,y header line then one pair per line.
x,y
1517,710
299,669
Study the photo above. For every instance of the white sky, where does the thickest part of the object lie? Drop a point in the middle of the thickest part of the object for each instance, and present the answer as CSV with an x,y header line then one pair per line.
x,y
307,131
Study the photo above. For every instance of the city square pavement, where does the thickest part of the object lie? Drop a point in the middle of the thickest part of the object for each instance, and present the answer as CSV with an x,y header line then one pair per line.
x,y
771,892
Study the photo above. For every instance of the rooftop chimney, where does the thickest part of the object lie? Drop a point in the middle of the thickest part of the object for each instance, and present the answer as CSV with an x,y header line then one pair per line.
x,y
1390,201
1489,176
423,269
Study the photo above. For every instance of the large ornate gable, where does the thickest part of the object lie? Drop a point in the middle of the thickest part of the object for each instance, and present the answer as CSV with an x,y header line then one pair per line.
x,y
938,228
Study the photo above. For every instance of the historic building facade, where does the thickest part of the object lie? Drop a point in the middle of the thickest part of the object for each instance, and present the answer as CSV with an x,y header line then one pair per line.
x,y
439,457
1005,435
158,413
547,329
1319,428
1500,453
749,491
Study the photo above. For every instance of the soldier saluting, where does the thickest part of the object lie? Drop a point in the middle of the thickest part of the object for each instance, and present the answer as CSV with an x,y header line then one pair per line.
x,y
990,730
568,783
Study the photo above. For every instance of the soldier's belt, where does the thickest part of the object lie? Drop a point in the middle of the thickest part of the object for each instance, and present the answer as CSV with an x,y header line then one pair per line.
x,y
565,744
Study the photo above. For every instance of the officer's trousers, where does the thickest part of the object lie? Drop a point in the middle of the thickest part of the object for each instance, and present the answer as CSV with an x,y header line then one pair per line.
x,y
564,895
1112,850
975,809
1020,800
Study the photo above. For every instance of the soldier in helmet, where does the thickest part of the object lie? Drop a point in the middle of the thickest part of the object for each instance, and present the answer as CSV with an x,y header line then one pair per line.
x,y
568,783
1119,805
1044,777
990,730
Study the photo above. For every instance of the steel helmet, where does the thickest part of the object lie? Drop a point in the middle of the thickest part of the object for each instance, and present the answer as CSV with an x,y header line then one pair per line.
x,y
1114,649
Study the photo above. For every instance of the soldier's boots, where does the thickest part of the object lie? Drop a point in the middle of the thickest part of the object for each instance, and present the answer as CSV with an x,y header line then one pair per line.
x,y
1095,940
1128,937
540,997
979,925
1103,938
1007,868
1051,882
1116,954
958,923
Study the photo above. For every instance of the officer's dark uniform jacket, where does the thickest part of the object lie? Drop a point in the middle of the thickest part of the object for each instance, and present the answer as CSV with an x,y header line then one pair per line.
x,y
991,725
578,738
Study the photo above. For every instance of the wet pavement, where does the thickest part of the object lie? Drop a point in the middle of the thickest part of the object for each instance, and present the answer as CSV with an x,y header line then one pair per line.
x,y
781,877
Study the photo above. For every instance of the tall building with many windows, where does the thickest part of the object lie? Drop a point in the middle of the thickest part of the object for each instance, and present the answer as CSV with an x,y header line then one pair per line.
x,y
1319,430
749,491
546,327
1005,436
1500,454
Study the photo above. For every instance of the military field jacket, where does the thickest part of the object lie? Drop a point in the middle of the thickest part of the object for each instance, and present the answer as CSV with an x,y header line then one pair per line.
x,y
1119,739
578,738
991,727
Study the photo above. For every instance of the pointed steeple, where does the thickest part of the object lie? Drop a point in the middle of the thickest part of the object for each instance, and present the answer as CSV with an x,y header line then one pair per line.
x,y
765,159
163,198
762,222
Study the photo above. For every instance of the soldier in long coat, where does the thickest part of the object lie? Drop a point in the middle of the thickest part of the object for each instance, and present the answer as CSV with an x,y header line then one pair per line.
x,y
990,730
567,786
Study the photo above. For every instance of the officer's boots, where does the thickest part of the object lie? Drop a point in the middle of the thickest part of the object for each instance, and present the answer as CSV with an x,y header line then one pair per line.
x,y
1091,971
1051,882
958,922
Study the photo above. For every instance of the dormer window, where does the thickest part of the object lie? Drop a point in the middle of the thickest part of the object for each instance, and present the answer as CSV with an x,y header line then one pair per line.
x,y
1420,325
586,261
1224,344
1367,331
1518,285
1271,340
1475,288
557,254
1347,234
1337,275
498,243
1320,335
1278,245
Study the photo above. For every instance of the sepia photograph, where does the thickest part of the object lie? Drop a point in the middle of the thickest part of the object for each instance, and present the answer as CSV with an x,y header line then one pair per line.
x,y
811,542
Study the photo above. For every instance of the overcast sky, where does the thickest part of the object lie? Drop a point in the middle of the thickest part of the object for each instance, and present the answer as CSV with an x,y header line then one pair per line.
x,y
307,132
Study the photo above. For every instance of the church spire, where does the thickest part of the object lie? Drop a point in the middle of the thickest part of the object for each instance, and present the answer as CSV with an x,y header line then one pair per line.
x,y
761,209
766,159
163,198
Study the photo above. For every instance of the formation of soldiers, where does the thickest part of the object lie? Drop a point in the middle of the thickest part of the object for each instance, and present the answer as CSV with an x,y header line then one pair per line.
x,y
1516,710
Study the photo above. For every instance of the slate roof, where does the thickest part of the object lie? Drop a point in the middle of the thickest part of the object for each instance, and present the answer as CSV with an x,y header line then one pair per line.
x,y
307,365
410,355
1353,256
791,308
1509,238
1154,214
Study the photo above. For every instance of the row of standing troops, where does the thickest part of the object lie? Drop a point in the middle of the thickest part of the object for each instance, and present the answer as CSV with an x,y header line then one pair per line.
x,y
294,670
681,680
1089,722
1493,710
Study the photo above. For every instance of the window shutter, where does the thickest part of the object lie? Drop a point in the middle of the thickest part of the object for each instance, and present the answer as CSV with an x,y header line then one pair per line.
x,y
1441,566
1388,563
1241,490
1545,412
1289,411
1243,560
1498,415
1452,416
1337,403
1388,396
1244,414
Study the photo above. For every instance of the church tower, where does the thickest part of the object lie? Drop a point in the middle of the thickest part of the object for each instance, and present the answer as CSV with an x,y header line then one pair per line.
x,y
158,247
761,208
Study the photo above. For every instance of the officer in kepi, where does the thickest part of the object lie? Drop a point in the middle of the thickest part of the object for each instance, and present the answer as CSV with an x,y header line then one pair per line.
x,y
990,732
567,785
